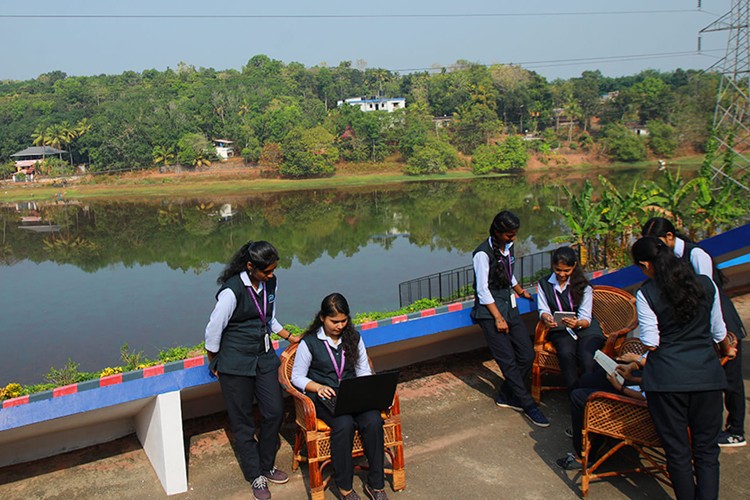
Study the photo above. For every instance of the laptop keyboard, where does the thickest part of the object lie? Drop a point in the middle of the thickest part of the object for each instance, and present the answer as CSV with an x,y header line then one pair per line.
x,y
329,403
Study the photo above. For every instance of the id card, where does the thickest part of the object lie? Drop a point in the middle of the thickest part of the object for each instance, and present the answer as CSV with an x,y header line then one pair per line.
x,y
572,333
512,300
267,341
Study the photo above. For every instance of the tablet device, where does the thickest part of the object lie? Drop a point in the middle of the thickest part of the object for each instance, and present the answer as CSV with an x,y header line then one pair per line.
x,y
559,315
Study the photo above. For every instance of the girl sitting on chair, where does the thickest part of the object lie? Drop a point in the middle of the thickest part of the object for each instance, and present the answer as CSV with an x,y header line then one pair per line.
x,y
332,350
577,338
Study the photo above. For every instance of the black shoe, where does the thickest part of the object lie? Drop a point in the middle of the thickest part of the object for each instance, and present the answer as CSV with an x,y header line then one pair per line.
x,y
536,416
569,462
507,403
569,432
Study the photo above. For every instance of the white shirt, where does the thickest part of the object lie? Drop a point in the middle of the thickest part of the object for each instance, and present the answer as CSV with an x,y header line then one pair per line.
x,y
304,357
699,258
226,303
649,325
584,309
482,272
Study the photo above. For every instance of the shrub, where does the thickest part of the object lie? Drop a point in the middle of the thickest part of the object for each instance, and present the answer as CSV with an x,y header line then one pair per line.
x,y
508,155
7,169
624,145
435,157
662,138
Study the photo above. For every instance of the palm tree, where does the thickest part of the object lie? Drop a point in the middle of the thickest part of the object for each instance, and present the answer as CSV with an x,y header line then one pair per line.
x,y
40,137
584,218
163,155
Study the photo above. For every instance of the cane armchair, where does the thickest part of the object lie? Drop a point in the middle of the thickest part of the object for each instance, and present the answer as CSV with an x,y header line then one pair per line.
x,y
312,437
624,420
612,307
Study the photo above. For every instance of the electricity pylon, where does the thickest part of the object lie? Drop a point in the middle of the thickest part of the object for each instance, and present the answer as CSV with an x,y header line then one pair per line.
x,y
730,158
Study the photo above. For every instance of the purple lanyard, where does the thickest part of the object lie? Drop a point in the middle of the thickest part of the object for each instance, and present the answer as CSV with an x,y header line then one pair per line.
x,y
338,369
507,267
557,299
262,313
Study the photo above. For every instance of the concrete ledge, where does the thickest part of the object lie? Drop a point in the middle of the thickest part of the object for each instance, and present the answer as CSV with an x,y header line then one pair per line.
x,y
154,401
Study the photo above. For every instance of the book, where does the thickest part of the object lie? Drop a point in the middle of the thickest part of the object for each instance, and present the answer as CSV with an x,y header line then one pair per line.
x,y
608,364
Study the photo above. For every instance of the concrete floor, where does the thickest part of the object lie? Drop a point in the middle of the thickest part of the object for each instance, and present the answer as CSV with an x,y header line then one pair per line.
x,y
457,444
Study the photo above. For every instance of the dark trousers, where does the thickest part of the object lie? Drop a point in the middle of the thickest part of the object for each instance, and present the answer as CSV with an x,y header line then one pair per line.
x,y
514,353
688,424
370,427
573,353
588,384
734,394
255,457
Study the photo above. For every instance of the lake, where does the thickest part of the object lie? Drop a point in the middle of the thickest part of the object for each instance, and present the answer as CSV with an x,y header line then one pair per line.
x,y
80,279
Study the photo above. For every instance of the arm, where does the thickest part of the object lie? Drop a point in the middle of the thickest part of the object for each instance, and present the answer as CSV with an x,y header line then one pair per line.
x,y
223,310
647,322
482,274
702,263
301,367
624,390
719,328
545,313
584,310
363,365
277,328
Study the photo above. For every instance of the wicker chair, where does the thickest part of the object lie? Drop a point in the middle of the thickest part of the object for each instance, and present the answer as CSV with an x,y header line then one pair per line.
x,y
314,435
626,420
615,310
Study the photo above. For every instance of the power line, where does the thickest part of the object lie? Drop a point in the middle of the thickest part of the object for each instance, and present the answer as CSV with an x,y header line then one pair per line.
x,y
348,16
574,61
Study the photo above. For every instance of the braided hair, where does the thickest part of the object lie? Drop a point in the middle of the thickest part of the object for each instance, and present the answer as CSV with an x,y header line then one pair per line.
x,y
332,305
578,281
260,254
504,222
674,277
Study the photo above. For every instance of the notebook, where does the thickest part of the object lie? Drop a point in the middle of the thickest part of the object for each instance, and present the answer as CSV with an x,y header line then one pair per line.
x,y
358,394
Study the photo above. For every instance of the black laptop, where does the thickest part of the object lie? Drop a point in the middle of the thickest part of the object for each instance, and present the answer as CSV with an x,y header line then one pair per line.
x,y
358,394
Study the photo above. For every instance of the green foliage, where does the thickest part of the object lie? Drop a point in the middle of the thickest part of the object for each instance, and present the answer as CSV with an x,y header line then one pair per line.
x,y
419,305
193,149
624,145
308,153
132,359
55,167
7,169
67,375
435,157
508,155
252,151
662,138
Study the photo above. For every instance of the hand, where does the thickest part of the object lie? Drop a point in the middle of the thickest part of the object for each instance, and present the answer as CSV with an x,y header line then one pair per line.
x,y
629,357
525,294
548,320
501,325
570,322
627,370
615,383
293,339
325,392
211,356
731,352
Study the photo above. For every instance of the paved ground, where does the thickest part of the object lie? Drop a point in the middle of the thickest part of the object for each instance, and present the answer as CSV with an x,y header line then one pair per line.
x,y
458,444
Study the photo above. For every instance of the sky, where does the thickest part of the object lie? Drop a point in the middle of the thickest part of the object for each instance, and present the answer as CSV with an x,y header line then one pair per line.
x,y
558,39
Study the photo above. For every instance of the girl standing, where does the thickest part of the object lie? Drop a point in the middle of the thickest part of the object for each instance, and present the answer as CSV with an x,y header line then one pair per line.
x,y
680,319
238,342
702,263
576,339
332,350
496,312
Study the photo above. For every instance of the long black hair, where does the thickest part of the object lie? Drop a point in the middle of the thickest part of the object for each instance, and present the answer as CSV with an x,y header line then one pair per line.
x,y
659,227
260,254
578,282
504,222
332,305
674,277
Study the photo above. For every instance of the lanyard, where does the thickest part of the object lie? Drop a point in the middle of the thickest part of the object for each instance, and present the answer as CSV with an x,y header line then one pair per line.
x,y
338,369
507,267
557,299
262,313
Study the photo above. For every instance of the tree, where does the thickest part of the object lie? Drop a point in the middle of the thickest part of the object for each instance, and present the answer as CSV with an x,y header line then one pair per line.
x,y
624,145
435,157
193,150
508,155
308,153
662,138
163,155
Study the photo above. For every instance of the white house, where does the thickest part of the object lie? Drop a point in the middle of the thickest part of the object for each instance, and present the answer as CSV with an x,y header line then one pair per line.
x,y
375,103
224,148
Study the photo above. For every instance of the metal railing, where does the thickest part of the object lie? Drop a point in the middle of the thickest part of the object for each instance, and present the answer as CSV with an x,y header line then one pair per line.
x,y
456,284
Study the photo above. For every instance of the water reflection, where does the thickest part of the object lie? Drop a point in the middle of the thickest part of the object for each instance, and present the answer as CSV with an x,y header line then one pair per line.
x,y
82,278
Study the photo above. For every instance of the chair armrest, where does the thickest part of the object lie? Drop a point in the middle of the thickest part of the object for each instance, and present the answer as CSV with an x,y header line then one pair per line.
x,y
616,397
540,336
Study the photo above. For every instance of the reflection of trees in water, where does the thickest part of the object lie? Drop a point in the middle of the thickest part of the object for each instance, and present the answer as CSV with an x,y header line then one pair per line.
x,y
304,225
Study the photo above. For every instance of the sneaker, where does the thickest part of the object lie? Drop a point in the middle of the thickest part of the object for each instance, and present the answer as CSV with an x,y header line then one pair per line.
x,y
727,440
569,462
569,432
536,416
277,476
260,489
374,494
507,403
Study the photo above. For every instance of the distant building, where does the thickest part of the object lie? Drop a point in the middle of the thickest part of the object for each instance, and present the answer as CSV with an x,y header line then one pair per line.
x,y
638,129
33,155
224,148
375,103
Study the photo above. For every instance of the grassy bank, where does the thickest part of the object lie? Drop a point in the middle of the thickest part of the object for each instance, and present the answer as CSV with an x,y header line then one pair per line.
x,y
218,181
